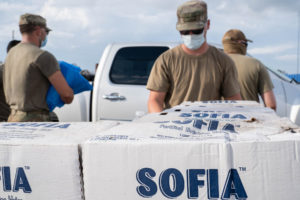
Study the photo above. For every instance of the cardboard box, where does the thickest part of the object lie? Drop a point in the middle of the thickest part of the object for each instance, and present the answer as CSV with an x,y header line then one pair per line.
x,y
41,160
221,110
164,169
152,159
226,122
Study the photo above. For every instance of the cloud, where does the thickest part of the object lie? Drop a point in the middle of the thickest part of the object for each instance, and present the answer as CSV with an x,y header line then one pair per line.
x,y
286,5
82,28
75,17
287,57
95,32
6,31
62,34
16,6
257,6
271,49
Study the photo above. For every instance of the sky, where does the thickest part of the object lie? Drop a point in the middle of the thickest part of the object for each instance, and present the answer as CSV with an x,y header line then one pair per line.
x,y
82,28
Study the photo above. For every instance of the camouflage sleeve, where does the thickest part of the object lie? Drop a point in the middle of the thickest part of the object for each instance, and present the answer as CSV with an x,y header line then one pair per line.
x,y
47,64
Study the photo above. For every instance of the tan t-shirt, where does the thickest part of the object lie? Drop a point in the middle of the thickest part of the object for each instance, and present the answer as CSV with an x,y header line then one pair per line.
x,y
4,108
253,77
186,77
26,73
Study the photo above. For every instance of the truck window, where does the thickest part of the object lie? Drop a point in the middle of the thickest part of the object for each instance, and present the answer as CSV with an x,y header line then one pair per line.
x,y
132,65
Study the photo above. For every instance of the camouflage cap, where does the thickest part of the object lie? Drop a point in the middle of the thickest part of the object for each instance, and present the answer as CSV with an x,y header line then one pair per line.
x,y
191,15
33,19
234,35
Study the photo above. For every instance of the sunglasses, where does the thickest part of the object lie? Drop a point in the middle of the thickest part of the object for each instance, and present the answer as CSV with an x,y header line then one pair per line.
x,y
194,32
244,43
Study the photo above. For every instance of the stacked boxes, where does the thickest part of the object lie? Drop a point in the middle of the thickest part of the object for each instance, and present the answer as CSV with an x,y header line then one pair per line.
x,y
203,150
200,150
41,160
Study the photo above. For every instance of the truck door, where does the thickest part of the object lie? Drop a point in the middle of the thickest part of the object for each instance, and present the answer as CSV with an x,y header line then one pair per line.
x,y
122,92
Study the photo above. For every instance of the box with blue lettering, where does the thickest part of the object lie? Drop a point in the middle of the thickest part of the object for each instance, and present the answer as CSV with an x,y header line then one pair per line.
x,y
41,160
200,150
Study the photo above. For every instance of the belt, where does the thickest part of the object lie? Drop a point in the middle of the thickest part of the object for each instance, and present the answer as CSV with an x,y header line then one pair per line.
x,y
42,112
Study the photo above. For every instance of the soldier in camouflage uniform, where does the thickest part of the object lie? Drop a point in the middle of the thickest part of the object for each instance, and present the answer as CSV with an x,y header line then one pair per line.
x,y
4,107
194,70
253,76
28,72
20,116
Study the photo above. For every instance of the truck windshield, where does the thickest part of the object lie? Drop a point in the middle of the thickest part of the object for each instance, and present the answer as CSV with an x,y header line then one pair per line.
x,y
132,65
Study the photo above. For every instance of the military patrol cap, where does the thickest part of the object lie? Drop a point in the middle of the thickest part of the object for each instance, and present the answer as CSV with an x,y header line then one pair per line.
x,y
191,15
32,19
234,35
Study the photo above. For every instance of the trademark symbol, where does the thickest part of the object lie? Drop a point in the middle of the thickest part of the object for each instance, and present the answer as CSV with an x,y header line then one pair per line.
x,y
242,169
27,167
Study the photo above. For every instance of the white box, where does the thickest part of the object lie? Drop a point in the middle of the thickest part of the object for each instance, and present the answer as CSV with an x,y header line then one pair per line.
x,y
41,160
220,110
140,169
156,157
269,170
225,123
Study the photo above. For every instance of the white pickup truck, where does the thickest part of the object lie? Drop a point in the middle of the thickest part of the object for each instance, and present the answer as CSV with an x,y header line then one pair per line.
x,y
119,87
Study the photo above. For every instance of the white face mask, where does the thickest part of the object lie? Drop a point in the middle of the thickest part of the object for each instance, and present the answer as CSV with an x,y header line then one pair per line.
x,y
193,41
